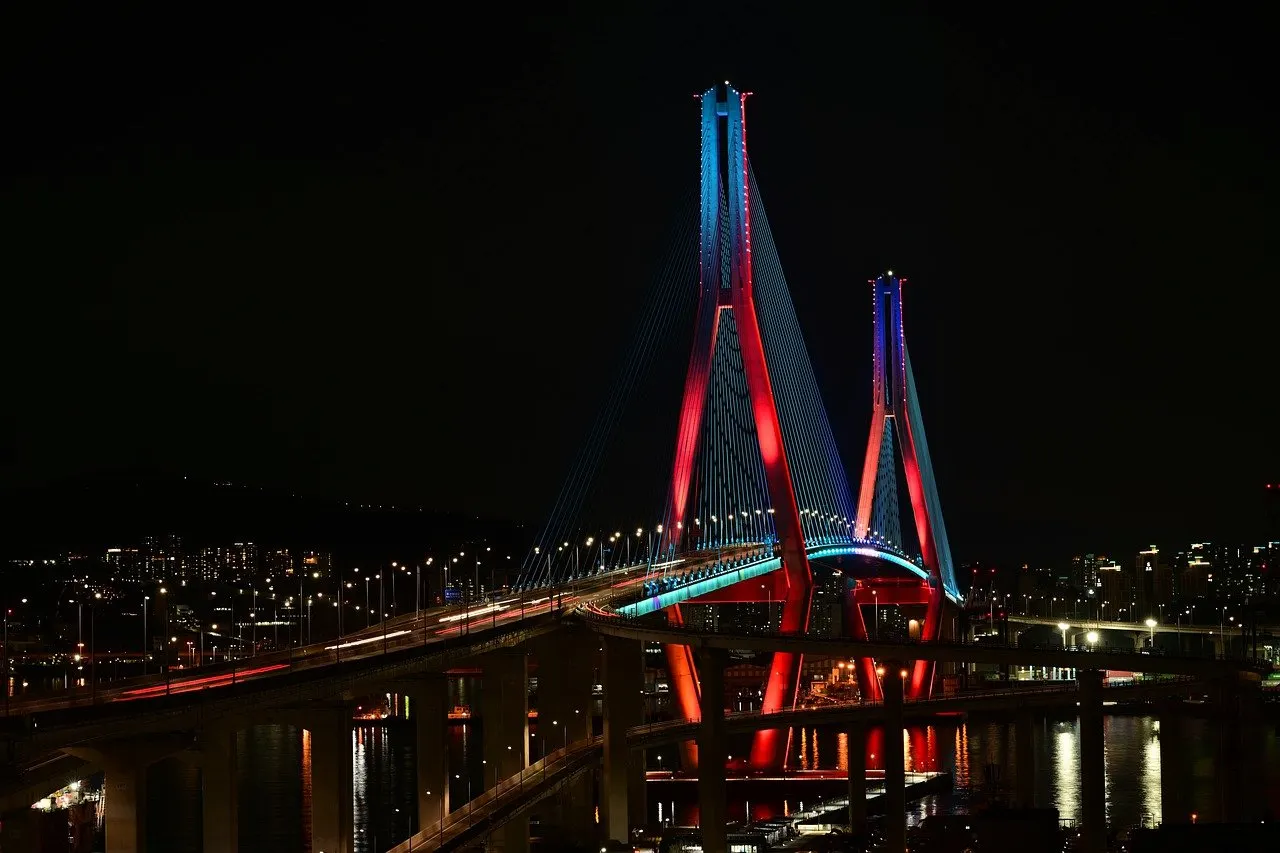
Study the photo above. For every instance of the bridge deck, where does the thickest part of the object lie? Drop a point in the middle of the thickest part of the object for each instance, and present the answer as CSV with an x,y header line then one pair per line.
x,y
686,586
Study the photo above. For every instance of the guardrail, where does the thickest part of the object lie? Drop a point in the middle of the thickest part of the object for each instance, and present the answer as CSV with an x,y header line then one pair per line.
x,y
563,763
731,718
601,616
393,635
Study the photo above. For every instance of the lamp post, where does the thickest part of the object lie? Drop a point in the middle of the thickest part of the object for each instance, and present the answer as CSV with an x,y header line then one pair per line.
x,y
7,611
875,597
145,599
1151,626
1092,638
253,619
1063,626
93,650
367,609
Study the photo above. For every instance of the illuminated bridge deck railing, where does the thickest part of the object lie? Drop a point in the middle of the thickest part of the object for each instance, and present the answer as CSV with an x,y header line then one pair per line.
x,y
676,589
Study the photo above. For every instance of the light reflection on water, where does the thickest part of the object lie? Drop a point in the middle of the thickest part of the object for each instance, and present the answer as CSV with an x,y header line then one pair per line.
x,y
980,753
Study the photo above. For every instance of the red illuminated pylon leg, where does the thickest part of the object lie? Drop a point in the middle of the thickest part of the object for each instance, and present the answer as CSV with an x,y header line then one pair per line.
x,y
684,684
725,201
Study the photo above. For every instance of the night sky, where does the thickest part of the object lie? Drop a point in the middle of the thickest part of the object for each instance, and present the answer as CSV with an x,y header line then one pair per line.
x,y
401,258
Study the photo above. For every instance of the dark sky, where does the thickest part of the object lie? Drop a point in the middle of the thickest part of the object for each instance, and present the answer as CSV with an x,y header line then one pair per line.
x,y
399,258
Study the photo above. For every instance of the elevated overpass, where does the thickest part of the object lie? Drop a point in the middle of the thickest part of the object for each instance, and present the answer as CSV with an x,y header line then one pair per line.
x,y
514,796
1096,658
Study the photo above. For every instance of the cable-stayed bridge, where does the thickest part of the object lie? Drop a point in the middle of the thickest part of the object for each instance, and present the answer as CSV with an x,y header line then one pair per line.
x,y
756,475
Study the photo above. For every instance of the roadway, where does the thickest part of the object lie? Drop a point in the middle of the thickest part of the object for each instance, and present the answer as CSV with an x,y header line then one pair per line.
x,y
605,621
37,727
1097,625
425,628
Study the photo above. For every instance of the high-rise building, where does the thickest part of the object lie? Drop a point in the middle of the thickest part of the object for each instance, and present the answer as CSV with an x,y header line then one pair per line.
x,y
1084,571
123,565
317,564
160,558
826,616
1115,586
1196,576
1151,584
278,563
242,562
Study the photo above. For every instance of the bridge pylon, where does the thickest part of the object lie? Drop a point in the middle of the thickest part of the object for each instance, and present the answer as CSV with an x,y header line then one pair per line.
x,y
725,288
896,415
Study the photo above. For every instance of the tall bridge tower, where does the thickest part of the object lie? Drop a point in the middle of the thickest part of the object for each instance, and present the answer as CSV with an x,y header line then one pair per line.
x,y
725,287
896,415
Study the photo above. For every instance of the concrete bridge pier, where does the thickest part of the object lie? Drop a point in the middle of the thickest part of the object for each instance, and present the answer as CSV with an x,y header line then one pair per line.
x,y
894,682
1174,805
857,737
1239,732
1093,791
623,693
20,832
218,793
567,662
124,766
712,751
327,752
1025,756
505,724
125,785
429,705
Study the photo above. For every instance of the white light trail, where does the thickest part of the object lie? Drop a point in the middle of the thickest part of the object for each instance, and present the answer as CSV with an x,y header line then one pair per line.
x,y
481,611
378,639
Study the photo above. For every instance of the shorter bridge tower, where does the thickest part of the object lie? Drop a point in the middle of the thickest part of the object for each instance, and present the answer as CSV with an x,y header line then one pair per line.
x,y
897,431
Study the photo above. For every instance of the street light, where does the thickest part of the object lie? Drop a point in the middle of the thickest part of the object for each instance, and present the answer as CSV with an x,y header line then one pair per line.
x,y
1091,637
1151,625
1063,626
145,599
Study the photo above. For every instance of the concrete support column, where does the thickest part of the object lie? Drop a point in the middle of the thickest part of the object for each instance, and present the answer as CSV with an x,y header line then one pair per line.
x,y
637,791
219,796
124,766
1237,769
125,786
712,751
1174,807
623,684
20,832
857,737
567,666
1024,754
895,776
505,725
327,744
1093,778
429,705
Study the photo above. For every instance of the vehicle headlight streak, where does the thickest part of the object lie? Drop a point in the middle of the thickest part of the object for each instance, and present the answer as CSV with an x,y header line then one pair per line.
x,y
378,639
479,611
